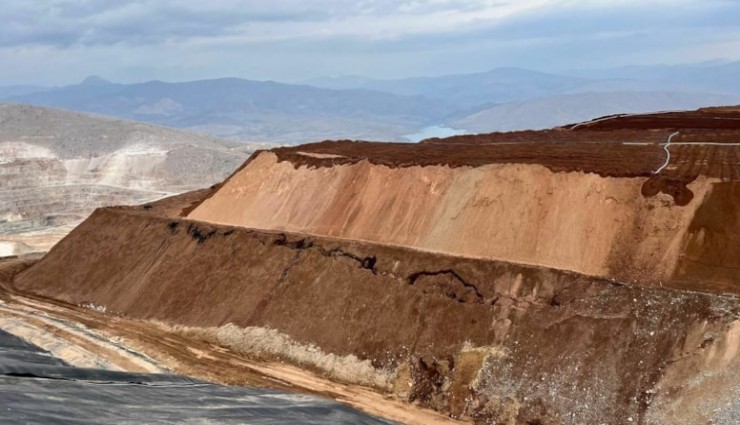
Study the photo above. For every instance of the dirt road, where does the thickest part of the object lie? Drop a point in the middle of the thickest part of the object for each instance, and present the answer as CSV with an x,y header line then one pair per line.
x,y
86,337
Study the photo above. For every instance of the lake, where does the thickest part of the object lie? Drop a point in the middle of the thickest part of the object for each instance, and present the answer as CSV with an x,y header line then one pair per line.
x,y
432,131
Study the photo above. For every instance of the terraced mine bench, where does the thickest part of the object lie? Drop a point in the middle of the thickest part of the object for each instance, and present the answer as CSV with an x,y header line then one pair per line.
x,y
557,277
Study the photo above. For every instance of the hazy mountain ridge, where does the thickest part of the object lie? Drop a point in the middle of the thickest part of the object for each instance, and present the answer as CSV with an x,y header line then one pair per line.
x,y
518,84
466,90
21,90
355,107
251,110
703,74
552,111
523,99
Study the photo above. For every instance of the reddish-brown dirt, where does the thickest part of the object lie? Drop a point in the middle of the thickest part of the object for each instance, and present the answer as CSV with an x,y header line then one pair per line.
x,y
602,158
603,202
605,146
705,118
556,135
605,159
713,247
190,353
480,339
514,278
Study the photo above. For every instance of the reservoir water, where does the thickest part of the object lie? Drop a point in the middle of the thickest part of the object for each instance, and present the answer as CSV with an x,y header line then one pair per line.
x,y
432,131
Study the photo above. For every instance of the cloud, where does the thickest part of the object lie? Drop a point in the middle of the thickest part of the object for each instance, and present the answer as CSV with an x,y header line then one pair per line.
x,y
296,39
64,23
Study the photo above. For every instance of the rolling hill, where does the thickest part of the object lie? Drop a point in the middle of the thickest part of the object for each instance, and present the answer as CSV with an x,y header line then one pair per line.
x,y
551,111
58,166
250,110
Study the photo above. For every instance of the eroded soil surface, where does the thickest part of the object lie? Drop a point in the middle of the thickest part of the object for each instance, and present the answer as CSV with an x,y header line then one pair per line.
x,y
84,336
580,275
506,343
618,146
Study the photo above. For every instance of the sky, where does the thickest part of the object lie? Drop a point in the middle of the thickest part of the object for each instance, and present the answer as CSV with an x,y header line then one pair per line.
x,y
62,41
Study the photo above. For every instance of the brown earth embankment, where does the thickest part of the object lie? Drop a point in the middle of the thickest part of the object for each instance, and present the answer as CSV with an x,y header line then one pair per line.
x,y
633,229
475,338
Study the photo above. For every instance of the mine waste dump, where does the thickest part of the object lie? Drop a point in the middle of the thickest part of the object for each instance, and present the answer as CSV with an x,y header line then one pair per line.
x,y
57,166
586,274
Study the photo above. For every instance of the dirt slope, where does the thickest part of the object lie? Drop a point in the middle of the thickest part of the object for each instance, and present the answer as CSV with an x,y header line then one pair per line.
x,y
511,279
477,338
585,198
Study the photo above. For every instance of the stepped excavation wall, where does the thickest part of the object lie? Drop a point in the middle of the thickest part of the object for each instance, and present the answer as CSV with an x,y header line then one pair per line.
x,y
473,338
510,278
523,213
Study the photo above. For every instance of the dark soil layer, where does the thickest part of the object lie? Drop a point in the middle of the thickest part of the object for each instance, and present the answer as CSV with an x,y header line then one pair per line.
x,y
619,146
713,248
481,339
602,158
568,348
705,118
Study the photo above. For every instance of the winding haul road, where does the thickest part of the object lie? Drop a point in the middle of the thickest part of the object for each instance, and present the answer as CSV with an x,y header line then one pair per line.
x,y
667,152
668,143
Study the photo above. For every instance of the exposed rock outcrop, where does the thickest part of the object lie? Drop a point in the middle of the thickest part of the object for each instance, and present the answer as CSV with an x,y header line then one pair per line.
x,y
56,167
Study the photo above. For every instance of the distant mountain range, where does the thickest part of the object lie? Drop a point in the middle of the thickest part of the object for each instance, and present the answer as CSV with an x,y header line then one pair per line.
x,y
552,111
364,108
250,110
12,91
516,85
466,90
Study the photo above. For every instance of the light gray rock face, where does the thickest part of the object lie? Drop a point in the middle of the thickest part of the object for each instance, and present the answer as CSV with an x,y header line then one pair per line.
x,y
57,166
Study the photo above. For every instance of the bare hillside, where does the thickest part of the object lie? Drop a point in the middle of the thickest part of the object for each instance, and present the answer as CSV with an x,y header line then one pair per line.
x,y
581,275
57,166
